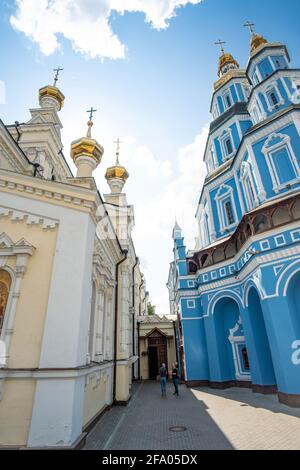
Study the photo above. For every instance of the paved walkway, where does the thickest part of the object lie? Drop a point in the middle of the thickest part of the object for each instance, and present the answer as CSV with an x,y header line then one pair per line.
x,y
231,419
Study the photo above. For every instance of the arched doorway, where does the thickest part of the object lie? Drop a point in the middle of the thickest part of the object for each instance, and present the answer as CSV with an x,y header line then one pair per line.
x,y
232,349
293,297
263,369
157,352
5,285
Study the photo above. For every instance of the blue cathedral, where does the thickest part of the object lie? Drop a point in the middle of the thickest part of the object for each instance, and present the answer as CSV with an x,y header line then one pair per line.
x,y
237,295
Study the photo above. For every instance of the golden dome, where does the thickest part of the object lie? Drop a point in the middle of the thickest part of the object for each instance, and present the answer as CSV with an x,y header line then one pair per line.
x,y
117,171
52,92
257,41
86,147
228,62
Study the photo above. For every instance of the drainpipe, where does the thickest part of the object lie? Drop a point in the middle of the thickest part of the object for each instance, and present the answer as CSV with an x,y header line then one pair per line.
x,y
133,319
139,352
125,253
176,342
139,349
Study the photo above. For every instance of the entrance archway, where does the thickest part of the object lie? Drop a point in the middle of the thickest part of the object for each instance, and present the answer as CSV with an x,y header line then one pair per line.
x,y
293,298
232,350
157,352
262,363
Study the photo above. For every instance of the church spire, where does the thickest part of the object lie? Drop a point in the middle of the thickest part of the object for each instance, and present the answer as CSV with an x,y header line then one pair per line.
x,y
226,61
50,96
116,175
86,152
256,39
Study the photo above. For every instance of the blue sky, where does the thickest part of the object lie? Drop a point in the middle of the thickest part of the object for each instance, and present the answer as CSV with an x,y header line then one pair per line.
x,y
155,98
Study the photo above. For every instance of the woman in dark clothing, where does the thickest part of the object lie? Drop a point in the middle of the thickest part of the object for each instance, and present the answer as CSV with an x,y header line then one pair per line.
x,y
175,378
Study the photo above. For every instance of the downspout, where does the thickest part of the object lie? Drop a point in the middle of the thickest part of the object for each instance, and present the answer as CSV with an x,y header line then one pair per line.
x,y
125,253
133,319
139,353
139,348
176,341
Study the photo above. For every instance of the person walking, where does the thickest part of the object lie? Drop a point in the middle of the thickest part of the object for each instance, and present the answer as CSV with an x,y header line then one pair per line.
x,y
175,378
163,379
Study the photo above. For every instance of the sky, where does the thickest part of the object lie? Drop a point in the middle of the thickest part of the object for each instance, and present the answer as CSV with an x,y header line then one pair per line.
x,y
148,67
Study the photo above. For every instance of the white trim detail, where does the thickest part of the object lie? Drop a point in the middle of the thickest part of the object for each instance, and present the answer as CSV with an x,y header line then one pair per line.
x,y
219,198
235,342
268,150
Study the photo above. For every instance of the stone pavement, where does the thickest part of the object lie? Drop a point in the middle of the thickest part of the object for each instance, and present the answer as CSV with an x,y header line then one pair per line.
x,y
228,419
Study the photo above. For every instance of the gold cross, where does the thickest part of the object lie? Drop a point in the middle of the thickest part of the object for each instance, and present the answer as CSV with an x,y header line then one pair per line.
x,y
250,25
57,74
221,44
118,142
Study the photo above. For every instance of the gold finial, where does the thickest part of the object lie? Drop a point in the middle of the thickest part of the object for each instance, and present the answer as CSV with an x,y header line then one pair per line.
x,y
59,69
256,39
117,142
226,61
221,44
90,122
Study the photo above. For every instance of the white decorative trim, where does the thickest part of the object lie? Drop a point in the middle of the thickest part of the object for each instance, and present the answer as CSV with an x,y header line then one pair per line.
x,y
235,342
227,134
29,218
268,150
246,174
219,198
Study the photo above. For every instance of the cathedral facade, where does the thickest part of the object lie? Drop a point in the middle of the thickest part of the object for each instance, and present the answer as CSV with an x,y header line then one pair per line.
x,y
237,296
71,287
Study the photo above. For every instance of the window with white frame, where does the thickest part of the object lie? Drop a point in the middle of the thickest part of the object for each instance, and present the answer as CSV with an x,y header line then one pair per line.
x,y
191,303
247,91
204,226
227,99
248,184
281,160
215,111
229,212
227,144
273,97
255,79
256,112
226,208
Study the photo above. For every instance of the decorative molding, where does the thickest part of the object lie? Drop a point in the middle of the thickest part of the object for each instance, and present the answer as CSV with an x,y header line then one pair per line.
x,y
29,218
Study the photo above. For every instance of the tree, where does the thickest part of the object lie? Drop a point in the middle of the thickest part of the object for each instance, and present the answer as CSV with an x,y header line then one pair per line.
x,y
150,309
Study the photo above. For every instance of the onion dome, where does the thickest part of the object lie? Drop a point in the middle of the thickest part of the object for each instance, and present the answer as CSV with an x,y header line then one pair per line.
x,y
256,41
117,175
51,96
226,63
86,153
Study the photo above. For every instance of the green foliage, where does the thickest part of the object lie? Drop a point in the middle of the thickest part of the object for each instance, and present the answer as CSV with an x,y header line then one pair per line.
x,y
151,309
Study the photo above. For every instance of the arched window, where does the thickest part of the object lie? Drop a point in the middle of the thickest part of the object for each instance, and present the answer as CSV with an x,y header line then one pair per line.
x,y
5,285
229,213
228,146
282,161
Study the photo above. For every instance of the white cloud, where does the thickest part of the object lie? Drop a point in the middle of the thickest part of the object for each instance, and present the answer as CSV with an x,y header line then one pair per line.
x,y
155,217
86,22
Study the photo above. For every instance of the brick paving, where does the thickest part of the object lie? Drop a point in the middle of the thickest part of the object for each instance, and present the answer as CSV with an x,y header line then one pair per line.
x,y
215,420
